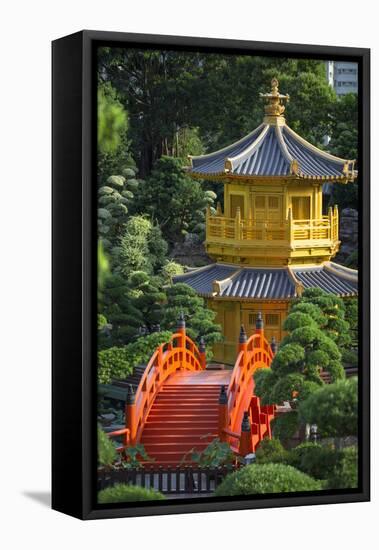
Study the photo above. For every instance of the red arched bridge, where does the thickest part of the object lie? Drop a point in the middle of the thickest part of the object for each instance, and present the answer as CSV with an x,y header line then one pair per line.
x,y
180,405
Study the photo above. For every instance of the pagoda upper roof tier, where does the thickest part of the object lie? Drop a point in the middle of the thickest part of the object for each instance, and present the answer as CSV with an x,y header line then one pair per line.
x,y
272,150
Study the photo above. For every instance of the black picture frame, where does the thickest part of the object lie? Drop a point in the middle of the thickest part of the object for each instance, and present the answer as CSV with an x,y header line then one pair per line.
x,y
74,274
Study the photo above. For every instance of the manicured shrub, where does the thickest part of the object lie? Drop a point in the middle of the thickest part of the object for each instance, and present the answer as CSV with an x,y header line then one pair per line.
x,y
271,450
127,493
112,363
266,478
345,472
119,362
334,408
313,459
284,426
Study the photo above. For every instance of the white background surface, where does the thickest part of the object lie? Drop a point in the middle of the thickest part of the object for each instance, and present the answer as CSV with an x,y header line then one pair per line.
x,y
26,31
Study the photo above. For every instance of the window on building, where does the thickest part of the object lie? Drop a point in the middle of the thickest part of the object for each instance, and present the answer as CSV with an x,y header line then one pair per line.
x,y
273,202
272,319
237,201
253,319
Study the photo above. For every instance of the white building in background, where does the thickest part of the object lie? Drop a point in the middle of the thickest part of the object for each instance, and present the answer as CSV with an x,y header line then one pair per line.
x,y
342,76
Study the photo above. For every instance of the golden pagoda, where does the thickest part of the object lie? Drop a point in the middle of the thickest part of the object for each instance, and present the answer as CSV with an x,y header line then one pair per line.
x,y
272,240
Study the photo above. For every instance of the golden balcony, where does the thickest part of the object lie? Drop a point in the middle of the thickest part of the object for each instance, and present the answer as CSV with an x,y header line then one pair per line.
x,y
252,242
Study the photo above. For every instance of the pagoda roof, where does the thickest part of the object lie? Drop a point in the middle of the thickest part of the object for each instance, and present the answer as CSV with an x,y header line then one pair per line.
x,y
228,281
272,150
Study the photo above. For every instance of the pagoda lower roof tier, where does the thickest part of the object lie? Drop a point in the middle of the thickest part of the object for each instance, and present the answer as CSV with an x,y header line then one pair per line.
x,y
272,150
228,281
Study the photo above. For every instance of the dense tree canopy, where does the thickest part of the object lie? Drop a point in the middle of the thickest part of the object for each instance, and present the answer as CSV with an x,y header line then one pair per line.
x,y
181,298
175,201
309,348
187,102
334,408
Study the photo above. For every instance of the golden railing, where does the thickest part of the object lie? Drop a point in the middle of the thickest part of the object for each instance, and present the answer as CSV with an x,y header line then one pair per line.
x,y
220,228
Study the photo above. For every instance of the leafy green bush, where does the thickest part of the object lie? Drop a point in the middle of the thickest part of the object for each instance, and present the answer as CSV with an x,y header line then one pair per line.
x,y
271,451
284,426
112,363
170,269
127,493
215,454
334,408
119,362
106,451
313,459
133,457
266,478
199,319
350,357
345,471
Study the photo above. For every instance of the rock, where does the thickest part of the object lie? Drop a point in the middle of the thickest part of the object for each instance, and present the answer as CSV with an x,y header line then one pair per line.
x,y
108,416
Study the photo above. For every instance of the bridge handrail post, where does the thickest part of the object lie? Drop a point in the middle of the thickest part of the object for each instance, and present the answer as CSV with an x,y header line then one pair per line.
x,y
245,445
181,329
259,329
242,344
202,353
130,415
222,413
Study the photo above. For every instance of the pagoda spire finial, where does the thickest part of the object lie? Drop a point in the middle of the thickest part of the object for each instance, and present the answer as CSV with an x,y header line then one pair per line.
x,y
275,104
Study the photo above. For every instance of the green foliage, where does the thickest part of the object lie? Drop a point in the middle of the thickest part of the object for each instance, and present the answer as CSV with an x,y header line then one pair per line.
x,y
308,308
266,478
119,362
102,267
170,269
131,305
338,468
285,426
345,472
333,309
298,319
264,382
106,451
344,143
199,319
141,247
216,454
334,408
133,457
271,451
352,260
114,199
112,119
112,364
174,200
316,327
101,321
314,459
127,493
350,357
351,316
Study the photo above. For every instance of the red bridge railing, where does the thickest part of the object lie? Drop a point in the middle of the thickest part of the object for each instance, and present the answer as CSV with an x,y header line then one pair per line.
x,y
179,353
243,422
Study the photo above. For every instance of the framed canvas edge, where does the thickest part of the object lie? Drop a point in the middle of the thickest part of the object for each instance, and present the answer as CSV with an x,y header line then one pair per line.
x,y
87,445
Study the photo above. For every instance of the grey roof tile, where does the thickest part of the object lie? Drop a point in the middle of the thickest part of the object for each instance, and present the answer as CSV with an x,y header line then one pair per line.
x,y
320,277
271,155
201,279
262,283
